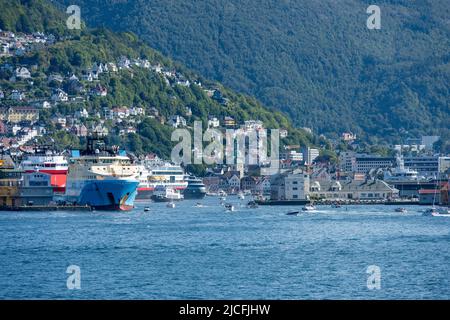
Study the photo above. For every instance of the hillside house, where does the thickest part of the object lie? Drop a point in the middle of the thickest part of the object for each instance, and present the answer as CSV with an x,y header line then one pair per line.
x,y
22,73
60,96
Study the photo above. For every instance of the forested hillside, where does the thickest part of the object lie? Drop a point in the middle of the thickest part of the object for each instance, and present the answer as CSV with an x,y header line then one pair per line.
x,y
75,52
315,60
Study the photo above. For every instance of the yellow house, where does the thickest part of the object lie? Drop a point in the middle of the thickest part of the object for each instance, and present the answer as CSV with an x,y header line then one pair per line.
x,y
19,114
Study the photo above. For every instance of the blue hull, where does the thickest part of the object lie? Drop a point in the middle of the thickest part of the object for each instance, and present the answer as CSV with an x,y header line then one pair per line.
x,y
109,194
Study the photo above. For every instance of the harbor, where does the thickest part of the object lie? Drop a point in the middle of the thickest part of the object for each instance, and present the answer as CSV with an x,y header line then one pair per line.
x,y
190,251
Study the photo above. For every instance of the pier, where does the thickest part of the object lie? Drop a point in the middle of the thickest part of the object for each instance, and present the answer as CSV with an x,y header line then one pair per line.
x,y
47,208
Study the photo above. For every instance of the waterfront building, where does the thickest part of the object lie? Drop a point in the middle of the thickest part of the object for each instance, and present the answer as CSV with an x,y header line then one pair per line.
x,y
263,186
293,185
249,183
352,190
366,163
427,166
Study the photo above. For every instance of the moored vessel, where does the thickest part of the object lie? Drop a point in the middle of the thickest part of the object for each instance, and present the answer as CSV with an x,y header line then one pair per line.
x,y
154,173
101,177
47,161
195,188
166,194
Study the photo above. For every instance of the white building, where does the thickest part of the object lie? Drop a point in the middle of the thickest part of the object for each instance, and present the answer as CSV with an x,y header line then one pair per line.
x,y
309,155
60,96
17,95
22,73
177,121
292,185
213,122
234,182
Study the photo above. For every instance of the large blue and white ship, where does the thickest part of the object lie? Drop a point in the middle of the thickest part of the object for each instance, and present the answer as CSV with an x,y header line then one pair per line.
x,y
103,178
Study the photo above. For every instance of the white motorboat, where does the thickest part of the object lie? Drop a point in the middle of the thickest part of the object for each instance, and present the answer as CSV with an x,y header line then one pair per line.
x,y
166,194
309,207
229,207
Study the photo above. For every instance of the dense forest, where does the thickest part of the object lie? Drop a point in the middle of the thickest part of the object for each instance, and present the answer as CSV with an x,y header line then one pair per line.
x,y
77,50
314,60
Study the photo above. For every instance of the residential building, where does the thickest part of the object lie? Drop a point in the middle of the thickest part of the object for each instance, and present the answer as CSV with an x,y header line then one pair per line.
x,y
177,121
17,95
348,136
249,183
60,96
22,73
263,186
19,114
234,182
229,122
283,133
100,91
213,122
83,113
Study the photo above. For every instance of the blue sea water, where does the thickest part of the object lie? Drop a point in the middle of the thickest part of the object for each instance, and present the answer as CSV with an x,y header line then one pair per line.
x,y
207,253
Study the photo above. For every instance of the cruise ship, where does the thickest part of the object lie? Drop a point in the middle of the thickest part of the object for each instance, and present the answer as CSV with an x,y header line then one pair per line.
x,y
157,173
102,178
195,188
406,180
46,161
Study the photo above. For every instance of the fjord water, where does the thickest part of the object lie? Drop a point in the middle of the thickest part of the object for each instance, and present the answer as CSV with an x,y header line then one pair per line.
x,y
208,253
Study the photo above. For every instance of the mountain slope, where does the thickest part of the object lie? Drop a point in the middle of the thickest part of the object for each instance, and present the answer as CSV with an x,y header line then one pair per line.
x,y
75,51
315,60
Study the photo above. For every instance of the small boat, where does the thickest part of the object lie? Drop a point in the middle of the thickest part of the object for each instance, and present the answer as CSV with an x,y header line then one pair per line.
x,y
309,207
166,194
146,209
401,210
252,205
336,205
292,213
437,212
241,196
170,205
199,205
229,207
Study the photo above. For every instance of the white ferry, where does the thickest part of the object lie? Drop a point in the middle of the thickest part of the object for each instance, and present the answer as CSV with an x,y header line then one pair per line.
x,y
152,174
